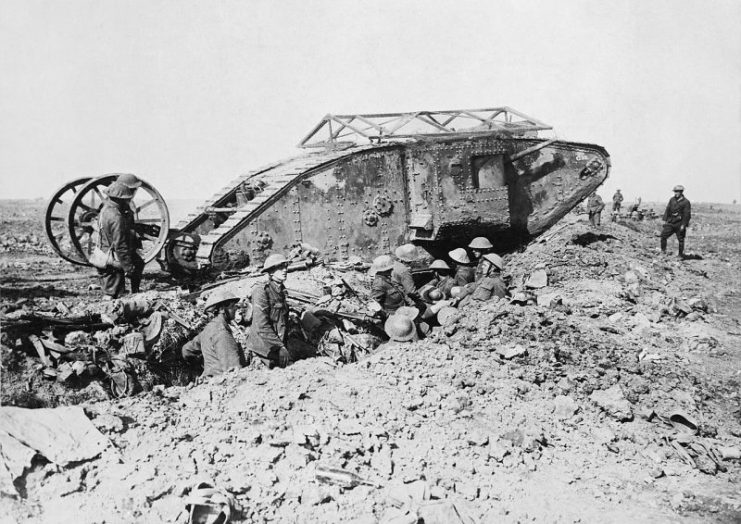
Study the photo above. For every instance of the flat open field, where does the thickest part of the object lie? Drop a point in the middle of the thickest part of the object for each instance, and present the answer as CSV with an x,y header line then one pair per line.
x,y
615,396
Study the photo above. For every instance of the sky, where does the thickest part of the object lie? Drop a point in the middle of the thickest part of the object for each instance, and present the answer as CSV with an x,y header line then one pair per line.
x,y
191,94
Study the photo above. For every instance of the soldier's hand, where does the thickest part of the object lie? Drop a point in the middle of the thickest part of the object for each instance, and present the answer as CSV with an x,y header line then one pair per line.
x,y
284,357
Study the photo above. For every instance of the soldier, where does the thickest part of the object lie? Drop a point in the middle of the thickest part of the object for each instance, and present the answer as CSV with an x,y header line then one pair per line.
x,y
490,285
479,246
617,201
465,273
215,345
402,273
442,281
269,330
595,205
117,236
384,290
676,219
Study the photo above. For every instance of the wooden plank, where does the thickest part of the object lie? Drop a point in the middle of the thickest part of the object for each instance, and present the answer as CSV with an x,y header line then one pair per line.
x,y
39,347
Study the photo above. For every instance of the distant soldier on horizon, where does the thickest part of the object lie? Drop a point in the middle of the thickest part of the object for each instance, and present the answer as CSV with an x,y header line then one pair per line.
x,y
595,205
617,201
676,219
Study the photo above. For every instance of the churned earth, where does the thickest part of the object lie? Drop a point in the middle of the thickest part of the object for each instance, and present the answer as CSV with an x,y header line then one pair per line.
x,y
612,395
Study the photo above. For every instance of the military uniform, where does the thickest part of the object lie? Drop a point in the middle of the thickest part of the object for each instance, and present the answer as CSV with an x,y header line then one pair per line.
x,y
444,284
117,231
595,205
464,275
617,201
402,275
216,346
387,293
676,219
269,330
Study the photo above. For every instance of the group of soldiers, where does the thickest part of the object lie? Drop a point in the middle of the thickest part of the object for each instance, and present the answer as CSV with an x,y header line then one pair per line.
x,y
409,310
472,274
676,215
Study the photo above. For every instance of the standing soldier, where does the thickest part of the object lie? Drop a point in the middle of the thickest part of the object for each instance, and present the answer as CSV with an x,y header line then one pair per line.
x,y
676,219
617,201
595,205
117,236
269,330
479,246
215,345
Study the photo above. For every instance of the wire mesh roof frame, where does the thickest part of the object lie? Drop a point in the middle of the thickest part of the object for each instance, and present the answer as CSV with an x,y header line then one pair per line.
x,y
336,130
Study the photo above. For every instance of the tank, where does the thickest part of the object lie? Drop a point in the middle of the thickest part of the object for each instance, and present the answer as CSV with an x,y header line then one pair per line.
x,y
369,183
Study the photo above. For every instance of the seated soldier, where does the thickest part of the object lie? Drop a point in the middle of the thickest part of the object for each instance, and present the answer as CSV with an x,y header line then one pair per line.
x,y
215,345
465,273
490,285
479,246
384,290
402,272
441,281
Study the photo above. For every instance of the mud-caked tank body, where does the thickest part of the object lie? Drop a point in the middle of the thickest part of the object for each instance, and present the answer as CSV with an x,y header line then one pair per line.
x,y
402,177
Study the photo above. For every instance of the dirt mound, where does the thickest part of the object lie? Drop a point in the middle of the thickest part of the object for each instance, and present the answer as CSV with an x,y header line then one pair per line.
x,y
607,394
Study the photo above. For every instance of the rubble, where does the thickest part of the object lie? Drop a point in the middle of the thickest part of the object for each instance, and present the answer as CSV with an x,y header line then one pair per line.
x,y
505,412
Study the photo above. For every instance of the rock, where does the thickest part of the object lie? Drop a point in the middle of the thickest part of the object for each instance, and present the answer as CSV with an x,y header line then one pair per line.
x,y
613,402
564,407
65,373
349,427
510,352
382,462
729,453
109,423
444,513
79,367
497,450
538,279
549,300
76,339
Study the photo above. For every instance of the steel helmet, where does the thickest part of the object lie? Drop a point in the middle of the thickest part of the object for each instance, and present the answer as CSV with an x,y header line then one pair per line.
x,y
382,263
434,295
400,328
494,259
219,296
118,190
447,316
456,291
274,261
408,311
459,255
440,264
678,187
480,243
407,253
129,180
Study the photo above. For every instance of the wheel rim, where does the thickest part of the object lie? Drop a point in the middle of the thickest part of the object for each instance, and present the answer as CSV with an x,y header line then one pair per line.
x,y
55,222
152,220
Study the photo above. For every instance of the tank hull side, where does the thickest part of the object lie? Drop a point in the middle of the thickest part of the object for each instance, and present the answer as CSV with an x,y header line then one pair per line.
x,y
355,207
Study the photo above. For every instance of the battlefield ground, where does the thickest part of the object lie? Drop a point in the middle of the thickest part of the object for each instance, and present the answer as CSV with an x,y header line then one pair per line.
x,y
612,395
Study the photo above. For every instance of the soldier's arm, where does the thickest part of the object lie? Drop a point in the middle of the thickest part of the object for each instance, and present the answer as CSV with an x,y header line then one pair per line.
x,y
192,350
687,214
378,292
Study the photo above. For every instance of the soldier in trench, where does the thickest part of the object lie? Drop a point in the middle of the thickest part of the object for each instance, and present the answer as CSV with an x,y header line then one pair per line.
x,y
269,338
215,346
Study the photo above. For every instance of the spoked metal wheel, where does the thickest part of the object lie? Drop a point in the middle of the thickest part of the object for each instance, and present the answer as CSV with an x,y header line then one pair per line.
x,y
152,220
55,221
